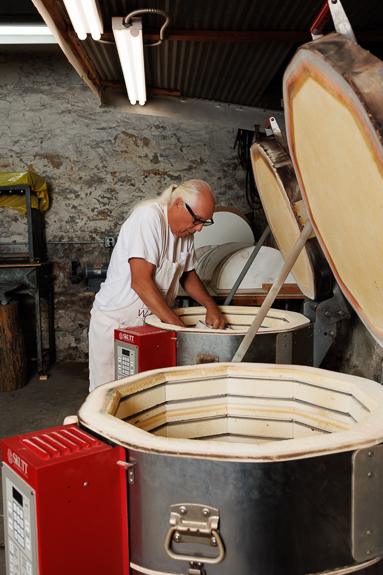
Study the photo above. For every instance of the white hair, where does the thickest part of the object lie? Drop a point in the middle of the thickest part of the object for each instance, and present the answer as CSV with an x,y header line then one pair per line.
x,y
187,191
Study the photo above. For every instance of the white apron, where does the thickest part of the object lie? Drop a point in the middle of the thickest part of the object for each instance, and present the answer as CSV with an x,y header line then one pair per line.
x,y
103,323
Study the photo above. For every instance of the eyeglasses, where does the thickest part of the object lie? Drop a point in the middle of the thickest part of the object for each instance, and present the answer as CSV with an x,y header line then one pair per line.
x,y
198,221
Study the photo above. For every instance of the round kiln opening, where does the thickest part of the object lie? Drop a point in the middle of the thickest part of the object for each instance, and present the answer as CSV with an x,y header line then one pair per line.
x,y
237,319
240,405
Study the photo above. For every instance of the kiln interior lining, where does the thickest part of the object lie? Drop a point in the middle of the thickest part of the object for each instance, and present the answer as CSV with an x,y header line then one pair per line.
x,y
239,409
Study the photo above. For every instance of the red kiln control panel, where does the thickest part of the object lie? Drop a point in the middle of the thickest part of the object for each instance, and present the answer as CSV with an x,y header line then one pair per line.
x,y
143,348
65,504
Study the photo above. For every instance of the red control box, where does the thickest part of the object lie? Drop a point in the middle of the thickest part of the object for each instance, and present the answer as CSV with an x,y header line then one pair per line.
x,y
65,504
143,348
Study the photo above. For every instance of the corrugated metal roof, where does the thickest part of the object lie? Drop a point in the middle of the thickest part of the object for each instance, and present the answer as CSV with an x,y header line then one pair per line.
x,y
242,73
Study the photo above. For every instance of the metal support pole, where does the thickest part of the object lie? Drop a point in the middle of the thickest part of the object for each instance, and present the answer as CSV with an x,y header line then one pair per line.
x,y
247,266
39,342
28,204
52,343
269,300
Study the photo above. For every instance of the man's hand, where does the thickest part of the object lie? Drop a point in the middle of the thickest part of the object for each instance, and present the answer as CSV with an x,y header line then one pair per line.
x,y
195,288
214,318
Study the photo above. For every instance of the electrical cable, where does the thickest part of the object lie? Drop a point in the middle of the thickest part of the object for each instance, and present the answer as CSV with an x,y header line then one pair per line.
x,y
245,139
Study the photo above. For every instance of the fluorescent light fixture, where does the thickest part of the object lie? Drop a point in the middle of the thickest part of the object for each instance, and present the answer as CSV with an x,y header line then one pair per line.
x,y
26,34
85,17
130,49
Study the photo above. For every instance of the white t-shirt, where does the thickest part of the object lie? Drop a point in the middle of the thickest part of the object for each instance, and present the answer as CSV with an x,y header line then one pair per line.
x,y
143,235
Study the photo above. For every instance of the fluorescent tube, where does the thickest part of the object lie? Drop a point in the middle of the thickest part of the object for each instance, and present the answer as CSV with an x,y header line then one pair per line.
x,y
26,34
85,18
130,49
93,17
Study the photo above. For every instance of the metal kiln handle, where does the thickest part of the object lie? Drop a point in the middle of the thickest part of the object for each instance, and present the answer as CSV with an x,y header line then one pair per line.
x,y
334,9
321,20
195,559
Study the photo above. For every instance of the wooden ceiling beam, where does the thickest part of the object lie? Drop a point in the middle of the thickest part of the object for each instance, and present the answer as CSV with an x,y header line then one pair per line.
x,y
157,91
292,36
56,13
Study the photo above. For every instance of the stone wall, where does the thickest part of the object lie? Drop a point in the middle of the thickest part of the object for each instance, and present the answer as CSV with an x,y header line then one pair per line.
x,y
97,164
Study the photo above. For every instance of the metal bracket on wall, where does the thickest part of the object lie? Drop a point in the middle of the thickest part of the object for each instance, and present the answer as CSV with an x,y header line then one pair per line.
x,y
325,316
367,503
295,347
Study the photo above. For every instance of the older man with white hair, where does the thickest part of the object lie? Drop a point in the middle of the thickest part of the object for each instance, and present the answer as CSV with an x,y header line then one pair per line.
x,y
153,254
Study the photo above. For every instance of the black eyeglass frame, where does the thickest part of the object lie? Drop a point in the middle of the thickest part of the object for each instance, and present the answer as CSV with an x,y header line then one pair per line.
x,y
197,221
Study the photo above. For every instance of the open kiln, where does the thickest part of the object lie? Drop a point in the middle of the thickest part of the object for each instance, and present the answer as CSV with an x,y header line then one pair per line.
x,y
284,337
247,468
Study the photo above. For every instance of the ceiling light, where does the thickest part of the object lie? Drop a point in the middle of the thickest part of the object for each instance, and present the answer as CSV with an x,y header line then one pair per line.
x,y
131,53
129,41
26,34
85,17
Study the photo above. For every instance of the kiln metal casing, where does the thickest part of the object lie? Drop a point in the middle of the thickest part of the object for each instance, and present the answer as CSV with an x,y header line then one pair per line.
x,y
293,347
290,518
284,337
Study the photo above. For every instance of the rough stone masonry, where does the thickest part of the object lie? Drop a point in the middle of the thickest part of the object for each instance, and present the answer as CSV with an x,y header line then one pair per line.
x,y
97,164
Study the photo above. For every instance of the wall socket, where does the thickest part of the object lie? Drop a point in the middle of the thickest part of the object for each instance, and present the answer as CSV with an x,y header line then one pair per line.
x,y
110,241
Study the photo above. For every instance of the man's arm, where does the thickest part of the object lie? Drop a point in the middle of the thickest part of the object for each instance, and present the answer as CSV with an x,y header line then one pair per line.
x,y
195,288
142,283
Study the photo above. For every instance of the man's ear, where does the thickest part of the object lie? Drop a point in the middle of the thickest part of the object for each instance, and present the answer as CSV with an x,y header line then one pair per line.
x,y
179,203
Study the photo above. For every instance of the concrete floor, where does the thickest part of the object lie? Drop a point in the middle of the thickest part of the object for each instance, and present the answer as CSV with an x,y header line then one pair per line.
x,y
39,405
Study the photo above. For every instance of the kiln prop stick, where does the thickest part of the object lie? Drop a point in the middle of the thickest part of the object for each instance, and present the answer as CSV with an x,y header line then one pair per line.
x,y
269,300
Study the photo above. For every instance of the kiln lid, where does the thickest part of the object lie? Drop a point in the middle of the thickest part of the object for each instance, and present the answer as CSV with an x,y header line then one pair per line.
x,y
282,201
333,95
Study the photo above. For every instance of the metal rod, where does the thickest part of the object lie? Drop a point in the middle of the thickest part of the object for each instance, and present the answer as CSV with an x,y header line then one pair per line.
x,y
28,203
70,242
247,266
269,300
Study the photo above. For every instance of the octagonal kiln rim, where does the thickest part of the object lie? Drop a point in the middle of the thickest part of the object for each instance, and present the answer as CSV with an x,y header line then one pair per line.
x,y
297,320
95,415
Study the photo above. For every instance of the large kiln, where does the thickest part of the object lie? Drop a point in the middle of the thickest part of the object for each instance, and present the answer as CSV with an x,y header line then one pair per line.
x,y
284,337
247,469
238,468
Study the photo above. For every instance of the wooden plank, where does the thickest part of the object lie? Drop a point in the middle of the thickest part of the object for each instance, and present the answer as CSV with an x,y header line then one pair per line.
x,y
85,61
286,289
291,36
24,265
157,91
13,361
57,15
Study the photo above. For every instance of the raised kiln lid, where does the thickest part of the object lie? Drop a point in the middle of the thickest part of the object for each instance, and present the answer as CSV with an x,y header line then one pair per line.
x,y
333,95
282,201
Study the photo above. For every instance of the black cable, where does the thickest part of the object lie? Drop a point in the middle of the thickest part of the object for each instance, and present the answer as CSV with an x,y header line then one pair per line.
x,y
244,139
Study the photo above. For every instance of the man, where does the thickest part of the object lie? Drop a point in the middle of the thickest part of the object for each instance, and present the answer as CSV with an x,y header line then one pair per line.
x,y
154,252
